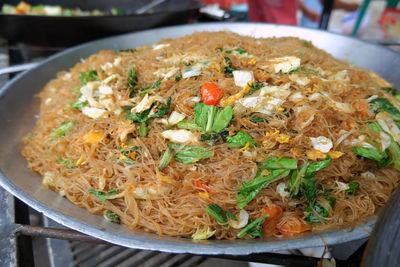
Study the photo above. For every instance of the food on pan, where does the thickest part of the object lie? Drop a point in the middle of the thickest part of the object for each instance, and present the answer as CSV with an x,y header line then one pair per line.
x,y
52,10
217,135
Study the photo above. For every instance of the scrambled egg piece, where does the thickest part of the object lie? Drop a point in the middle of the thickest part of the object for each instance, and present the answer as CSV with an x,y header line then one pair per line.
x,y
335,154
92,137
282,138
315,154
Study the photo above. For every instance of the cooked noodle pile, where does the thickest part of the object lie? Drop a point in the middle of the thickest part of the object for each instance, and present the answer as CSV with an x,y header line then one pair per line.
x,y
106,125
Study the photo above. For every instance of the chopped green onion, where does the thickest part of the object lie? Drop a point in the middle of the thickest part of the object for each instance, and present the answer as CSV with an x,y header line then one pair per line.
x,y
251,226
166,158
111,216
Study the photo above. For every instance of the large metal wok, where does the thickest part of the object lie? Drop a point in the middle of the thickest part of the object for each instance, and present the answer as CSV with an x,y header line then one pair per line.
x,y
18,108
71,30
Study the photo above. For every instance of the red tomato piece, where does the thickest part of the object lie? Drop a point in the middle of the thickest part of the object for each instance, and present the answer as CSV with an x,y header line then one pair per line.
x,y
211,93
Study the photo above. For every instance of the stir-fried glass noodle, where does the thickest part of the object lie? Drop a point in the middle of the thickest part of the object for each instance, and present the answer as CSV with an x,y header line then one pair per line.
x,y
217,135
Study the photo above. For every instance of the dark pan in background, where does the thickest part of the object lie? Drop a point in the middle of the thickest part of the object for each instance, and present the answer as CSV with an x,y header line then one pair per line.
x,y
70,30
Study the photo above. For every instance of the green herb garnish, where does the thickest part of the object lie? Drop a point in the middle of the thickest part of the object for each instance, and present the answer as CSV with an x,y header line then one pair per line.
x,y
67,163
315,213
87,76
228,69
65,127
240,140
103,196
190,154
353,186
178,77
77,104
144,116
132,80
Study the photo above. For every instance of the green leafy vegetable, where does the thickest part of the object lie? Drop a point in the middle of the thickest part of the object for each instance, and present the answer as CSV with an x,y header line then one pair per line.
x,y
222,119
212,119
314,213
103,196
87,76
138,117
319,165
219,214
189,125
65,127
143,129
204,116
390,90
240,140
353,186
382,104
370,153
254,225
375,127
275,163
394,148
213,136
166,158
144,116
67,163
77,104
178,77
331,201
279,168
308,187
111,217
190,154
251,189
162,109
303,181
294,71
75,89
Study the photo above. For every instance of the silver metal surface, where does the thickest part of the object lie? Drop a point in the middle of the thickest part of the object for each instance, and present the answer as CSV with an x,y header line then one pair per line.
x,y
149,6
8,250
18,108
18,68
